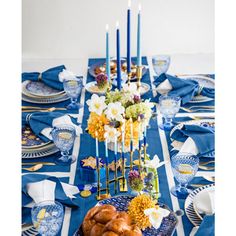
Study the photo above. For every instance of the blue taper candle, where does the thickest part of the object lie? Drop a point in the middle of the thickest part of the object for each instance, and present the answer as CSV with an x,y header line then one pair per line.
x,y
106,149
131,134
139,61
123,141
145,135
128,38
118,56
115,151
108,72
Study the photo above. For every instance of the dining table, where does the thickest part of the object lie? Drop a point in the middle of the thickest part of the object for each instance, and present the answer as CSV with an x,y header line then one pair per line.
x,y
159,142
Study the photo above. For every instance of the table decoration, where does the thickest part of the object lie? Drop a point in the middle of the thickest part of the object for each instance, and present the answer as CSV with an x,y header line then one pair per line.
x,y
118,56
128,43
108,71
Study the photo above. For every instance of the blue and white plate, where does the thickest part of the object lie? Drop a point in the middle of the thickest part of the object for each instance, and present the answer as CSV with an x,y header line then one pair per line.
x,y
93,67
191,213
204,81
209,123
121,203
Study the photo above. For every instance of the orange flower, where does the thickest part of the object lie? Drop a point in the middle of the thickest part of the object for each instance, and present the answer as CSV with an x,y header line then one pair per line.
x,y
97,123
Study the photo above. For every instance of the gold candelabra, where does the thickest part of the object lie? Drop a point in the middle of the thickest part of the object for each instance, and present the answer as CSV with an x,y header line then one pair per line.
x,y
139,72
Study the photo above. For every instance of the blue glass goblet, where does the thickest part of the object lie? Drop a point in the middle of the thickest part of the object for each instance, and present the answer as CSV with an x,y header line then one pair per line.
x,y
160,64
47,217
184,167
169,106
63,137
73,89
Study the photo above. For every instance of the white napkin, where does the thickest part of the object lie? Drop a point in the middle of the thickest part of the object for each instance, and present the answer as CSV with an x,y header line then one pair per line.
x,y
188,146
63,120
45,190
164,87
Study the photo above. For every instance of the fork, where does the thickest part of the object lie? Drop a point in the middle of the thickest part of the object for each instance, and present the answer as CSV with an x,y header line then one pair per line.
x,y
194,110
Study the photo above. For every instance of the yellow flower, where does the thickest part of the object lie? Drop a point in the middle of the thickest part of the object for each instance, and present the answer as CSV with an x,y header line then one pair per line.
x,y
136,210
96,123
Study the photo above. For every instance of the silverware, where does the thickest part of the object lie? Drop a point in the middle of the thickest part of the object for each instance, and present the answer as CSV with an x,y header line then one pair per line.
x,y
204,163
209,178
210,107
34,168
206,167
194,110
198,185
35,163
29,108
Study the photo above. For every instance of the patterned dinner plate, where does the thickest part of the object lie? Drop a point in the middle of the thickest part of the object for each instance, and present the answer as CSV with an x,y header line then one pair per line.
x,y
100,67
209,123
204,81
192,214
167,227
39,90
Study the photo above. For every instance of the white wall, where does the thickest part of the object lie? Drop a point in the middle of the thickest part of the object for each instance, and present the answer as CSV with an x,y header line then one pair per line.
x,y
76,28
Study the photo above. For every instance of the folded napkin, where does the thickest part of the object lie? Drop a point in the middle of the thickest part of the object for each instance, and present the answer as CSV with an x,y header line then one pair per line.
x,y
38,188
50,77
207,226
42,123
186,89
197,139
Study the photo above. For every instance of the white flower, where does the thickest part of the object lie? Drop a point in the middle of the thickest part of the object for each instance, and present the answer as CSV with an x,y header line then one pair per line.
x,y
111,133
132,88
154,163
66,75
148,103
114,111
156,215
97,104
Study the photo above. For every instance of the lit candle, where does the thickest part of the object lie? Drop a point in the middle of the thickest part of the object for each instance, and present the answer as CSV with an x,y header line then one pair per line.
x,y
131,134
139,61
107,53
118,56
97,154
128,38
106,149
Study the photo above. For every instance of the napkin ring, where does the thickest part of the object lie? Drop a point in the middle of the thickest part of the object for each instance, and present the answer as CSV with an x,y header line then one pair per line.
x,y
40,77
200,90
28,116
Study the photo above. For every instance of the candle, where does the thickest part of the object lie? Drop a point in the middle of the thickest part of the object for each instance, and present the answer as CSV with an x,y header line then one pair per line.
x,y
139,61
118,56
97,154
145,135
107,53
115,140
128,38
106,149
131,134
139,133
123,137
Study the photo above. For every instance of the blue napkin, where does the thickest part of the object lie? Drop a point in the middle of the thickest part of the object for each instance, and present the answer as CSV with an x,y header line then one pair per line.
x,y
49,77
186,89
207,226
204,137
40,120
60,195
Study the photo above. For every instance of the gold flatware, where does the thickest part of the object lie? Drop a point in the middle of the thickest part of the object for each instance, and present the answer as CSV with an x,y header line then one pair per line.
x,y
195,110
198,185
206,167
35,163
204,163
209,107
42,108
34,168
209,178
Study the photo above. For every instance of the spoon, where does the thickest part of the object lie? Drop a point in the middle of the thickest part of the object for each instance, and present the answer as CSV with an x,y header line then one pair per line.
x,y
209,178
34,168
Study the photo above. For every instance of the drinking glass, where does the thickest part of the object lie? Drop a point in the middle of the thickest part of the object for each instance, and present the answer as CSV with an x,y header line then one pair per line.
x,y
63,137
169,106
47,217
160,64
184,167
73,89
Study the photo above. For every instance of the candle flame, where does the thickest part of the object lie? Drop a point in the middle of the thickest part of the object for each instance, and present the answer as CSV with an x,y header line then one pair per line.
x,y
96,134
138,118
105,135
139,7
129,4
117,25
107,27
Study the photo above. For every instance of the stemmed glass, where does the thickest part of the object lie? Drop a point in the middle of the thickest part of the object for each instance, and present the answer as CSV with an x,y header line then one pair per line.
x,y
73,88
184,167
47,217
169,106
63,137
160,64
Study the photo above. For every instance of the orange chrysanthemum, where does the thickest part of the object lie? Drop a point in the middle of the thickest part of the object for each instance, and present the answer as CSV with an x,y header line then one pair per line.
x,y
97,123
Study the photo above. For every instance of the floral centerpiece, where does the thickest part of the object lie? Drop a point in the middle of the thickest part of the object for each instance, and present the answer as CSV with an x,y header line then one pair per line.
x,y
117,112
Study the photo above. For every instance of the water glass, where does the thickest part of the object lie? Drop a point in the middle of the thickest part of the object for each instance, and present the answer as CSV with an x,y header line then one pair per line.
x,y
169,106
63,137
73,89
47,217
160,64
184,167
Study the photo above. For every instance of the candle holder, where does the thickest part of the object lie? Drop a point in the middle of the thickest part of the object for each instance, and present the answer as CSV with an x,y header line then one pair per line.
x,y
123,182
131,160
115,177
139,159
139,72
129,77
